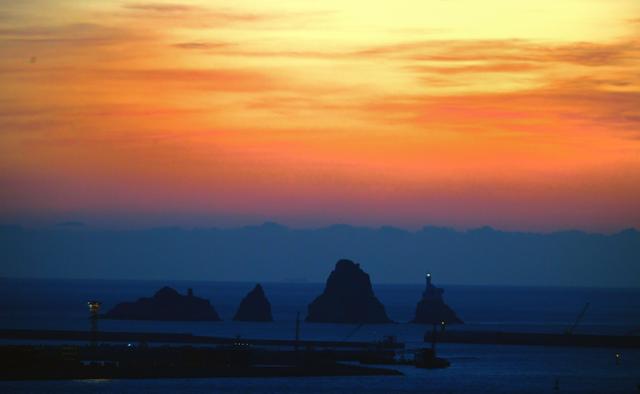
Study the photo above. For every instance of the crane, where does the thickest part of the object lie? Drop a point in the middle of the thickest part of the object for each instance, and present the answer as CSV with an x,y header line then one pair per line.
x,y
356,329
569,330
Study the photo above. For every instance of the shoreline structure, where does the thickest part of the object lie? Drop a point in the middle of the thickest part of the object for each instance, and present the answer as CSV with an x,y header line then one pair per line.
x,y
348,298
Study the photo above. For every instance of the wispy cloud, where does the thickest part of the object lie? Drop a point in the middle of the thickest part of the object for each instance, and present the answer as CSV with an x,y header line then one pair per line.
x,y
582,53
201,79
203,45
555,109
187,14
479,69
163,7
78,33
505,55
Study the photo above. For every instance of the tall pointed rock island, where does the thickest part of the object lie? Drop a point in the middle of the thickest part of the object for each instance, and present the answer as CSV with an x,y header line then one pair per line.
x,y
166,304
431,309
254,307
347,298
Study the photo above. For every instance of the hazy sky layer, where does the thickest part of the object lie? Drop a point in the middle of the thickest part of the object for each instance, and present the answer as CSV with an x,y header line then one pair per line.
x,y
519,115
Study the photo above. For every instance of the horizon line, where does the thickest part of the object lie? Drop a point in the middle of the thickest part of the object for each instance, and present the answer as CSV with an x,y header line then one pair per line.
x,y
81,225
320,283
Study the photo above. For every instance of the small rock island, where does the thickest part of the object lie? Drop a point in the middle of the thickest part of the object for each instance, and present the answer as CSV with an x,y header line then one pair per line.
x,y
347,298
166,304
254,307
431,309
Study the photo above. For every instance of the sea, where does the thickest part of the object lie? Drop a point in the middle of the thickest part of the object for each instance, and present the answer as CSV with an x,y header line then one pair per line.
x,y
62,305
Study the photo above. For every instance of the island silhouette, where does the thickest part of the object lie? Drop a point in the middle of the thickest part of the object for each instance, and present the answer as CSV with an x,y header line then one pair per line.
x,y
166,304
254,307
347,298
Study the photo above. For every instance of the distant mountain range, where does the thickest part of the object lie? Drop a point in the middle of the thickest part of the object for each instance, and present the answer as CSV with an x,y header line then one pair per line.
x,y
272,252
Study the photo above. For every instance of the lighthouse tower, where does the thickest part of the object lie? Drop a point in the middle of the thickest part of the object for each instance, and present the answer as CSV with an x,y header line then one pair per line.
x,y
431,309
431,292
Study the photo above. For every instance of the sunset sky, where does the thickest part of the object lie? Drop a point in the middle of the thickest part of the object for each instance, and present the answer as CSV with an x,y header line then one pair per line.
x,y
462,113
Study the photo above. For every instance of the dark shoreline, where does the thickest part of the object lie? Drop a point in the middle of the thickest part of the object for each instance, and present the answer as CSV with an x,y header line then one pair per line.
x,y
63,362
537,339
452,336
185,338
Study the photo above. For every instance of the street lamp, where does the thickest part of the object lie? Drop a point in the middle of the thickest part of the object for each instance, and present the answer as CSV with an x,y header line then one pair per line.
x,y
94,309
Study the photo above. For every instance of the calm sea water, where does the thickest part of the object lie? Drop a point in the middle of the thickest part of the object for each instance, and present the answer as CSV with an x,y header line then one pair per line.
x,y
61,304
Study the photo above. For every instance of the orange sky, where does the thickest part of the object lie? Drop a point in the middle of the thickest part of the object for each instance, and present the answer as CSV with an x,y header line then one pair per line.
x,y
458,113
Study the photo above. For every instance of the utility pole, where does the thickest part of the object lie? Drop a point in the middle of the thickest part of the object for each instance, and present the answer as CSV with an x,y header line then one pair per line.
x,y
94,309
297,330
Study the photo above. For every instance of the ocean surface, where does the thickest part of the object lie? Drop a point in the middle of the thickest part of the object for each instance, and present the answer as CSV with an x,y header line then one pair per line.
x,y
61,304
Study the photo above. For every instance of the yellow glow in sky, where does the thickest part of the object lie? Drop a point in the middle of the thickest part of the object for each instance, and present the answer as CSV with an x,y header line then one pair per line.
x,y
514,114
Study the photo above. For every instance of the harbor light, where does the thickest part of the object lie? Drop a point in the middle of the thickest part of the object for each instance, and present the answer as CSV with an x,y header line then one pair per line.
x,y
94,307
